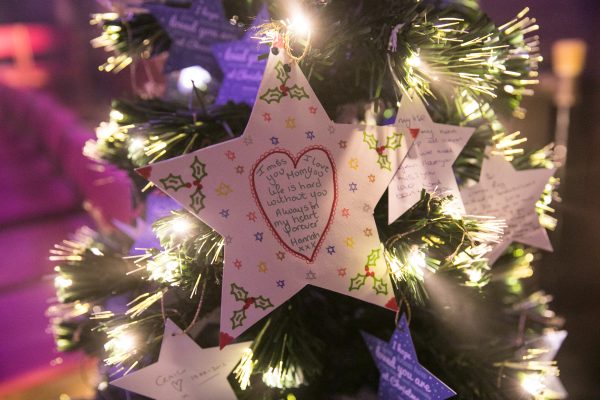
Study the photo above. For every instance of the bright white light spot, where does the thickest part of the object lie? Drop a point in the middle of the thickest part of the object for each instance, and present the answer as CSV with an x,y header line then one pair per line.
x,y
509,88
136,144
107,129
278,378
475,275
417,261
62,282
116,115
171,266
123,343
414,61
533,384
193,76
96,251
470,106
181,226
300,25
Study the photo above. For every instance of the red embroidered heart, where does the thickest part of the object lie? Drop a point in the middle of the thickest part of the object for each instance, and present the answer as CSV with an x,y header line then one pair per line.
x,y
297,196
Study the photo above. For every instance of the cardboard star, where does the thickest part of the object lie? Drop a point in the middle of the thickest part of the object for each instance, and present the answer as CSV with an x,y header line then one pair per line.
x,y
184,370
402,377
192,31
429,163
511,195
301,202
241,66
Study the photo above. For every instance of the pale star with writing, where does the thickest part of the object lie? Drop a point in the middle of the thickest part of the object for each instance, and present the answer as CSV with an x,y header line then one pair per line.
x,y
402,377
510,195
184,370
296,189
429,164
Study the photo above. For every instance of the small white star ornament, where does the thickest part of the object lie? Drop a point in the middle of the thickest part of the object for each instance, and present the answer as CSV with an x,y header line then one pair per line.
x,y
429,164
510,195
184,370
293,198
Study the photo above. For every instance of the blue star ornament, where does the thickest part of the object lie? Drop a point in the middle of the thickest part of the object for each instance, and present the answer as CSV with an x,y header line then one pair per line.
x,y
242,69
193,31
402,377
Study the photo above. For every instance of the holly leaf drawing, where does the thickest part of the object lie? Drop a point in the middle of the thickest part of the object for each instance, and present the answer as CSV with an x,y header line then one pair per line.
x,y
198,169
379,286
373,257
384,162
370,140
172,182
197,200
282,73
272,95
394,141
262,302
238,292
297,92
238,318
357,282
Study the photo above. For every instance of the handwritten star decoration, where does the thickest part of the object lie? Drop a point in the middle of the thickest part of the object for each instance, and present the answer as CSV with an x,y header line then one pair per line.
x,y
511,195
429,163
184,370
296,188
402,377
192,31
242,69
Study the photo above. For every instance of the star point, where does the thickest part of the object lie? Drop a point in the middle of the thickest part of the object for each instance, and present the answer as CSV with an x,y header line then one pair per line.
x,y
184,369
510,195
429,164
399,355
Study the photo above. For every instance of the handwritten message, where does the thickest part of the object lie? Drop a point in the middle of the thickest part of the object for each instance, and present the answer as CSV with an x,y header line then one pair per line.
x,y
402,377
429,163
186,383
510,195
405,375
184,370
242,69
296,195
193,31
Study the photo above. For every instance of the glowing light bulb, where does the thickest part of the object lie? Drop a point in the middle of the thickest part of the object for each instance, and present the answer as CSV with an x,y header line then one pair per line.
x,y
181,226
417,261
106,129
474,275
116,115
136,144
533,384
191,77
61,282
414,61
299,24
278,378
470,106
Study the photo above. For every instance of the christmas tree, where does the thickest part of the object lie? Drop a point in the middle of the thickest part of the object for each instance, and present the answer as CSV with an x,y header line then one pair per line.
x,y
277,267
